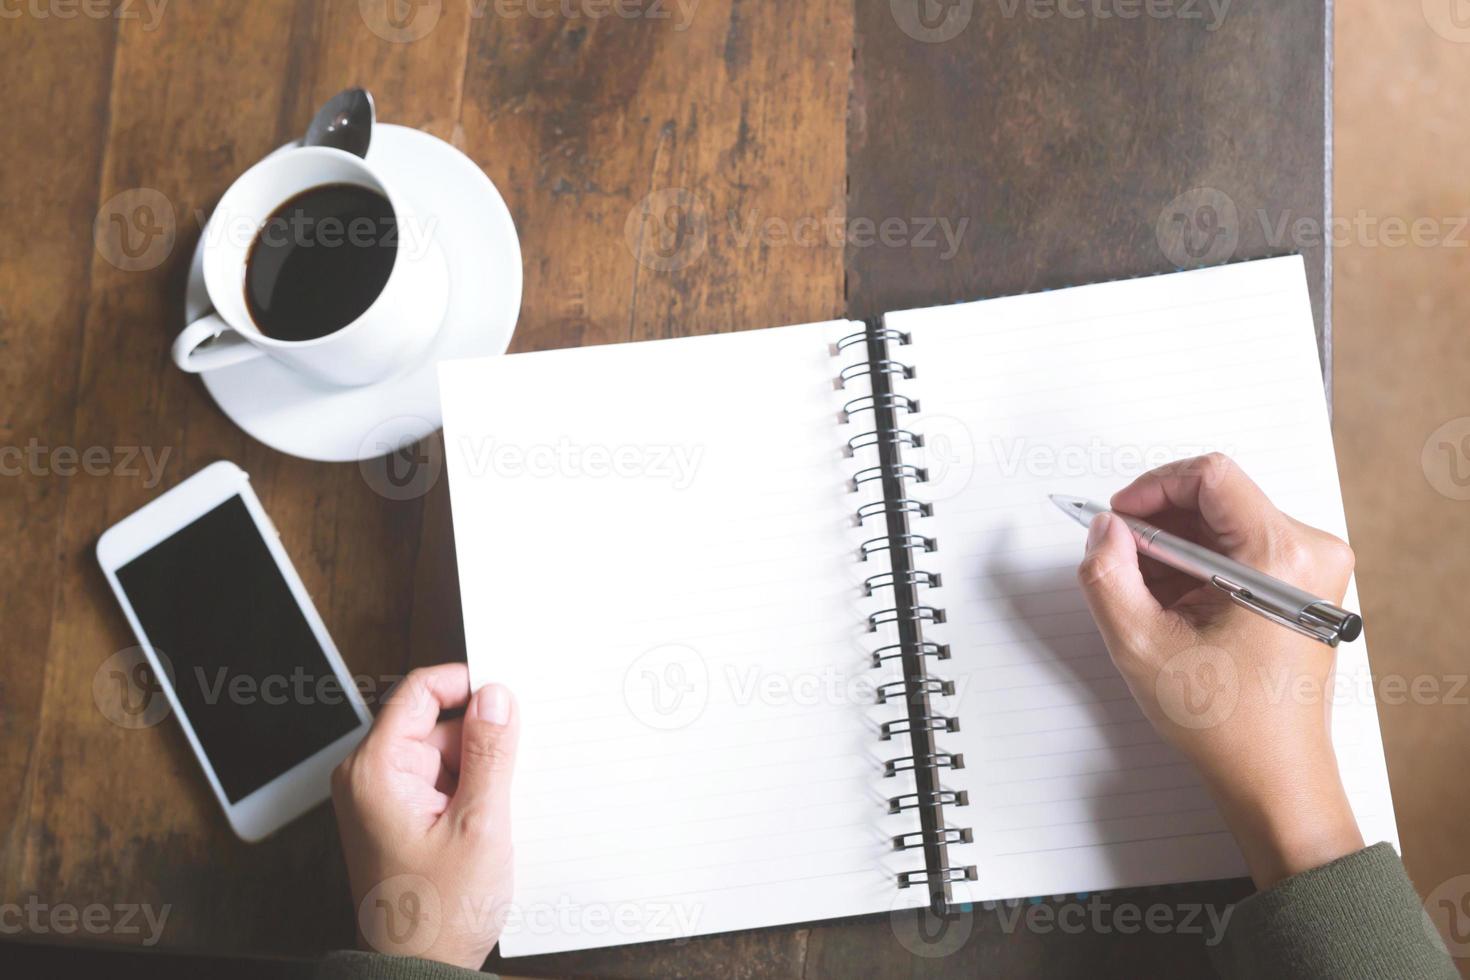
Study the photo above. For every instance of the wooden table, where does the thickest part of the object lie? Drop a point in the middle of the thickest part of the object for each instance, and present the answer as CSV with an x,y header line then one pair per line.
x,y
1056,148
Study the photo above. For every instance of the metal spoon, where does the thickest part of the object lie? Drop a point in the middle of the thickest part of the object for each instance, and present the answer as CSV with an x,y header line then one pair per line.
x,y
345,122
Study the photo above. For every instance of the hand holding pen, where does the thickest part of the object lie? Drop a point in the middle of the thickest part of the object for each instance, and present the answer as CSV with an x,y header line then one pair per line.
x,y
1245,700
1280,602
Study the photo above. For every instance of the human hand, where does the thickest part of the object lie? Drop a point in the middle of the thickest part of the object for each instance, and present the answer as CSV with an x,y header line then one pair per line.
x,y
1245,700
423,806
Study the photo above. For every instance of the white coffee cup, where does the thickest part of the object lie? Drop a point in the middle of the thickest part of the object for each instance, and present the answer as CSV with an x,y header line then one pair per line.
x,y
398,325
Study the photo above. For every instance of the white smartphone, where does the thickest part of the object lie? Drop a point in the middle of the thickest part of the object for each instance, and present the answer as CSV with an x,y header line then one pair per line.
x,y
236,646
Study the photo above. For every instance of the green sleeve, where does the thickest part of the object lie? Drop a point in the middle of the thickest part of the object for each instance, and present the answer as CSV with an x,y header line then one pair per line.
x,y
352,965
1358,917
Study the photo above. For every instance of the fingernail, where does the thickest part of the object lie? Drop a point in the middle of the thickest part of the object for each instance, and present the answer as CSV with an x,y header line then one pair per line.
x,y
492,703
1098,530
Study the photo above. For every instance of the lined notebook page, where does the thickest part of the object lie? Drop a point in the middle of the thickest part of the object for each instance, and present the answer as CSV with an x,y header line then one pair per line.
x,y
656,554
1077,392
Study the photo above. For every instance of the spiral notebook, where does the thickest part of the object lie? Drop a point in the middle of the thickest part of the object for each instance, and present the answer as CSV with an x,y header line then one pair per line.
x,y
794,628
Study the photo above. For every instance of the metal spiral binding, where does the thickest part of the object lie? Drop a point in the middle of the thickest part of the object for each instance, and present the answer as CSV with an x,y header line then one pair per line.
x,y
946,875
899,470
877,403
928,685
866,439
926,614
947,835
887,580
904,542
914,801
926,648
941,760
882,507
921,723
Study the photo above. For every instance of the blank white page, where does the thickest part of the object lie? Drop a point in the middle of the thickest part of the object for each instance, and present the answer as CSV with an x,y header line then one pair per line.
x,y
656,555
1077,392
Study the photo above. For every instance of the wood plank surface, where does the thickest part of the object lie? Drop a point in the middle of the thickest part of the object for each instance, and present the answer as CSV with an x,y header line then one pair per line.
x,y
653,173
123,815
53,143
1073,150
713,168
1080,149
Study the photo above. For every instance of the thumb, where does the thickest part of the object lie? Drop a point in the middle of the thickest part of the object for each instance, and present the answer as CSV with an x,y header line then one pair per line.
x,y
1125,610
487,757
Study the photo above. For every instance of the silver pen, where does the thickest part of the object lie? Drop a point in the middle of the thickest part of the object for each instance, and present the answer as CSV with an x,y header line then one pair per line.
x,y
1255,590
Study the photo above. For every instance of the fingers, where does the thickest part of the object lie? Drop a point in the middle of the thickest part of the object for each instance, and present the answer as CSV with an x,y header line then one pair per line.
x,y
1241,519
1125,610
412,708
1230,503
447,737
481,804
1316,560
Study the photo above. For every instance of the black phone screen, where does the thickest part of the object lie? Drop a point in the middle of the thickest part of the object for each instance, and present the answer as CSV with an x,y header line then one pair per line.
x,y
252,679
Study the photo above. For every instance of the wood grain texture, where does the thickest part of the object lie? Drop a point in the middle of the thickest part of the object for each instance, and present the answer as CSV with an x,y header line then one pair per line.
x,y
57,82
1403,356
1060,142
704,171
652,171
121,815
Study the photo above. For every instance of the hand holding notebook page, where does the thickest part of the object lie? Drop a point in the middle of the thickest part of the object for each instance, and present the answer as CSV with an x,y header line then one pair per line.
x,y
659,554
687,647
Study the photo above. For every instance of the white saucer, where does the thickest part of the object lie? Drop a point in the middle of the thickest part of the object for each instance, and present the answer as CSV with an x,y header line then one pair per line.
x,y
305,418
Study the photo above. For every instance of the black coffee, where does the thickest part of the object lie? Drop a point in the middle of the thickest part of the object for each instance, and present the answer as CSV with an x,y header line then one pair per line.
x,y
319,261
